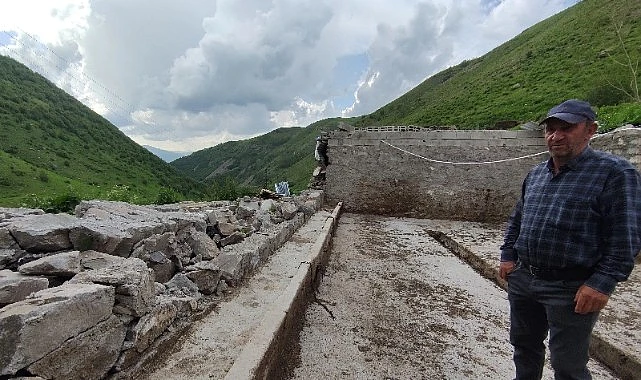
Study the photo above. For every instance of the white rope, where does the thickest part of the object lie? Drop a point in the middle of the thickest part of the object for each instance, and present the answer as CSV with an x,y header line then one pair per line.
x,y
464,163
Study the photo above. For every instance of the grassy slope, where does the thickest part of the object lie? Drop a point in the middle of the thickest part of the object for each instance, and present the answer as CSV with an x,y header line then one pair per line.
x,y
285,154
60,146
565,56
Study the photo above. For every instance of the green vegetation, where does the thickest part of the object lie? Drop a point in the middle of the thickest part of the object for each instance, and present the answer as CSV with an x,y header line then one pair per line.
x,y
54,151
574,54
285,154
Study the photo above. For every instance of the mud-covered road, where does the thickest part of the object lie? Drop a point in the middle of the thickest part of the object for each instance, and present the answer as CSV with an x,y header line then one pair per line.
x,y
398,305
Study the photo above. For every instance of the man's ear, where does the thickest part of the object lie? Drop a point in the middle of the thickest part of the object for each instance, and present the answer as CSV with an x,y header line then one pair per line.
x,y
592,127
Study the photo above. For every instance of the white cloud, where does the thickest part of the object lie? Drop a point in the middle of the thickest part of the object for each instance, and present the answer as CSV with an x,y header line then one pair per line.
x,y
187,75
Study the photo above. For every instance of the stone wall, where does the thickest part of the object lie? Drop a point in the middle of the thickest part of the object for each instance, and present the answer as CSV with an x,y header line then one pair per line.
x,y
402,171
93,295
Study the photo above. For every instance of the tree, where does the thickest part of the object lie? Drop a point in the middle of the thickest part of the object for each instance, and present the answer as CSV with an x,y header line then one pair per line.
x,y
631,64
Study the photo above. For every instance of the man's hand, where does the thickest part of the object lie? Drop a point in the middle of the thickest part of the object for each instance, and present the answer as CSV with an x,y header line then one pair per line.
x,y
505,268
589,300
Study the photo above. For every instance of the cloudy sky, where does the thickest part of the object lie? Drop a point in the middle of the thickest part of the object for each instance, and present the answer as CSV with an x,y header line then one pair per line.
x,y
184,75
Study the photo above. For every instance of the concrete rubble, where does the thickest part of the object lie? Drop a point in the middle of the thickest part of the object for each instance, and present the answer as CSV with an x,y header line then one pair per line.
x,y
87,296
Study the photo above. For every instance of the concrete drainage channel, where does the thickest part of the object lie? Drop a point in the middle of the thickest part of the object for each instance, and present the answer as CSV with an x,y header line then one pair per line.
x,y
268,352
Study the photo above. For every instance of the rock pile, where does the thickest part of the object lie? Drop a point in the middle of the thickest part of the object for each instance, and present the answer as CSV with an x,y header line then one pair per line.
x,y
92,295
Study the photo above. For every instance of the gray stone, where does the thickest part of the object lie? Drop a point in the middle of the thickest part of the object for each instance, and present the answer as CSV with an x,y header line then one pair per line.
x,y
65,264
246,210
227,229
222,288
288,210
133,282
113,237
268,205
152,325
181,285
90,355
116,227
7,256
201,244
211,217
164,271
157,257
231,267
33,328
43,233
7,213
6,240
234,238
90,260
15,287
205,275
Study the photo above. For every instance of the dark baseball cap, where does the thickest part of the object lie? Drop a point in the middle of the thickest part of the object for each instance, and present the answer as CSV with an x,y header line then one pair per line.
x,y
572,111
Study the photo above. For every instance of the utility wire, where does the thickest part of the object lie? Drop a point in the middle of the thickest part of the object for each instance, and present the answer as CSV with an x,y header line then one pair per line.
x,y
464,163
112,101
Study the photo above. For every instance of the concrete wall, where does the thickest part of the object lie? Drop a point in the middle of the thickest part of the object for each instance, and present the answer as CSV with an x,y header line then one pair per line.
x,y
395,170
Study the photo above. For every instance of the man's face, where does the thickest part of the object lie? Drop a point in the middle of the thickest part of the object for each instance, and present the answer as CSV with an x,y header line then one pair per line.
x,y
566,141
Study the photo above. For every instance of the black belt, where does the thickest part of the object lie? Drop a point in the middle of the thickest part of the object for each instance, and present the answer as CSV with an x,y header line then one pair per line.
x,y
568,274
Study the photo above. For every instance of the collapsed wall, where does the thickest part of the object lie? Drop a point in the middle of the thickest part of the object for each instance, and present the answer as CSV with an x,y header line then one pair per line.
x,y
443,174
93,295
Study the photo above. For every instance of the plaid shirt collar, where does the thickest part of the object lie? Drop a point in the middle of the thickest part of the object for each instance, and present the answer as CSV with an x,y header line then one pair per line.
x,y
573,163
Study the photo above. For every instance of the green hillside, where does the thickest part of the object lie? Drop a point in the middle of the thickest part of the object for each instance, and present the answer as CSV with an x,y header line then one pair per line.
x,y
285,154
574,54
54,147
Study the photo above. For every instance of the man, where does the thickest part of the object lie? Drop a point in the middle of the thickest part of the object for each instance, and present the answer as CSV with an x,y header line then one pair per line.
x,y
571,238
320,153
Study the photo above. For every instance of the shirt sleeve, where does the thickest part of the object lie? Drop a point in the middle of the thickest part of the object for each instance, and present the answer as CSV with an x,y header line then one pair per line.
x,y
620,230
512,230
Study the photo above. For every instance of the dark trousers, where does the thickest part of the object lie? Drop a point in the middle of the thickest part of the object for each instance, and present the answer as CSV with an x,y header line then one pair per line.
x,y
540,306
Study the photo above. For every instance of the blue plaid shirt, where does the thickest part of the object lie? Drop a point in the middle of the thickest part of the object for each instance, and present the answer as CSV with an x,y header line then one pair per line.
x,y
587,216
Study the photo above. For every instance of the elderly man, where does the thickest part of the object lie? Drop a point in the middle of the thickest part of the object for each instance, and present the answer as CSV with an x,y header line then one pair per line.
x,y
570,239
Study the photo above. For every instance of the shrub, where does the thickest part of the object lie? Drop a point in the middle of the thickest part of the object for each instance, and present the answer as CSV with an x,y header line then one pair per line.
x,y
611,117
168,195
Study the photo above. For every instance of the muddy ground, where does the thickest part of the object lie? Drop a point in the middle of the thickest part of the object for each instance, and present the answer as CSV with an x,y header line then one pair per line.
x,y
395,304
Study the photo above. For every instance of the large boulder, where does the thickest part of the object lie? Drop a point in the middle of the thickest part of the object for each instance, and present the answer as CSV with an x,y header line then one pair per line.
x,y
68,264
205,274
89,355
43,233
202,245
152,325
117,227
6,240
15,287
64,264
132,280
35,327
